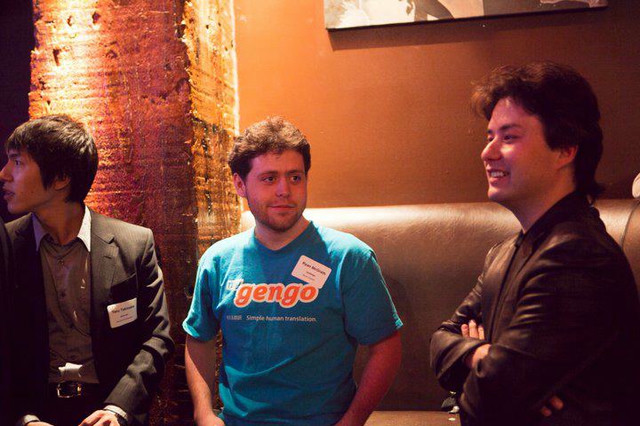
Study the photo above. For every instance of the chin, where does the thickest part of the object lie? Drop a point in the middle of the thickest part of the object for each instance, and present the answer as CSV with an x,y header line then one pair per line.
x,y
14,210
493,195
497,197
280,226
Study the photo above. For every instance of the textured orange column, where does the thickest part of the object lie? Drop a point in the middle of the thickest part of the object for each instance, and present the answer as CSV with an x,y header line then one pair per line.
x,y
209,37
162,129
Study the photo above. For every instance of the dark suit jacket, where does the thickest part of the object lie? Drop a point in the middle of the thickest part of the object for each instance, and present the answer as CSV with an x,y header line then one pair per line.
x,y
6,346
129,359
565,320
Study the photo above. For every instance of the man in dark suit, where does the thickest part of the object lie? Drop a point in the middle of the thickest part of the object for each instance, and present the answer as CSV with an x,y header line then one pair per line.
x,y
92,322
550,333
5,324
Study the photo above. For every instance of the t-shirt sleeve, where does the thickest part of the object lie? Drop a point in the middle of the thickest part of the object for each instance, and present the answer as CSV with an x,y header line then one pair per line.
x,y
370,315
201,322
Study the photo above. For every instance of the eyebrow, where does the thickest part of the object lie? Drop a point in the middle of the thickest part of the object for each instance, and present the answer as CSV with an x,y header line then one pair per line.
x,y
288,172
506,127
13,155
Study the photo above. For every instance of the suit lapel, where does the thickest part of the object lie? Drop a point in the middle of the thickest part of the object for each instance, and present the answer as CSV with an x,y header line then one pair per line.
x,y
104,253
493,282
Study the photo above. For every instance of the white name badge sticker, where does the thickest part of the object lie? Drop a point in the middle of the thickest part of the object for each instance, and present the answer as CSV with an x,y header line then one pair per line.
x,y
312,272
122,313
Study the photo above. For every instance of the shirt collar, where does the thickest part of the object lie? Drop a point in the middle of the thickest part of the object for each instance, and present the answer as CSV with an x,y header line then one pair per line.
x,y
84,234
565,209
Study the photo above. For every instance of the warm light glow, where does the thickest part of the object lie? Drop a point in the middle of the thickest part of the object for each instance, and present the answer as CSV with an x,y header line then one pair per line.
x,y
65,58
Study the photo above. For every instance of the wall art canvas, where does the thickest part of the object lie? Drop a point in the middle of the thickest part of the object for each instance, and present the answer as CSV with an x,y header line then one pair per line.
x,y
364,13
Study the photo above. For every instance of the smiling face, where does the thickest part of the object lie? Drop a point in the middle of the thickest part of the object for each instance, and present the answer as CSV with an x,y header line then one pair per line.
x,y
524,173
22,184
276,191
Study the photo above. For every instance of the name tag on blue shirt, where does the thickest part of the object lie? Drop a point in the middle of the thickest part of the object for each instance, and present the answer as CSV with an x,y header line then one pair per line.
x,y
314,273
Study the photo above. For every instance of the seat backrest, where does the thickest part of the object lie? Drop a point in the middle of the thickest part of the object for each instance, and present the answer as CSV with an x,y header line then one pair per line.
x,y
430,256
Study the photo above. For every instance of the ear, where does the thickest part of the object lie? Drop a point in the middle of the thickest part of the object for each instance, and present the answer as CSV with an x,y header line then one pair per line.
x,y
566,155
240,186
61,183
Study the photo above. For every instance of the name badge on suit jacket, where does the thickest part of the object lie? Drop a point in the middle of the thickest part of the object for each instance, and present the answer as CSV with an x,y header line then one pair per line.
x,y
122,313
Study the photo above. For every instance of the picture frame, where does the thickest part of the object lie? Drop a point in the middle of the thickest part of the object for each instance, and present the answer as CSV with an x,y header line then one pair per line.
x,y
342,14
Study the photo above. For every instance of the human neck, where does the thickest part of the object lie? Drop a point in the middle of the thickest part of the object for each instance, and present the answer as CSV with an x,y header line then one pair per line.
x,y
529,213
62,221
275,240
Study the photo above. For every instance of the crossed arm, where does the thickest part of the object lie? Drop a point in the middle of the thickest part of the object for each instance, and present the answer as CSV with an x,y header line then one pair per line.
x,y
474,331
545,341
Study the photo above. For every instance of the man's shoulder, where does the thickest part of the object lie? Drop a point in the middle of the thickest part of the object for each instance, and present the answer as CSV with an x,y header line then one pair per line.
x,y
339,241
585,245
227,246
133,239
107,224
581,235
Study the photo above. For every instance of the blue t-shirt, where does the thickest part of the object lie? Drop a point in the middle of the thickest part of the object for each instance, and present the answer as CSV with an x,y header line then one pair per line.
x,y
289,341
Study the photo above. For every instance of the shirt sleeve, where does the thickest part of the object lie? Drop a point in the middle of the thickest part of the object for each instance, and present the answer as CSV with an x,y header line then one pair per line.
x,y
370,315
201,322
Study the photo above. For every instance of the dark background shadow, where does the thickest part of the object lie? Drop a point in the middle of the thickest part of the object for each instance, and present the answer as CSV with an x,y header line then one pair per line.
x,y
16,42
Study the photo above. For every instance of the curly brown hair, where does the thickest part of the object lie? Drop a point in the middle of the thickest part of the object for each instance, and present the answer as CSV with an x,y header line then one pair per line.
x,y
275,134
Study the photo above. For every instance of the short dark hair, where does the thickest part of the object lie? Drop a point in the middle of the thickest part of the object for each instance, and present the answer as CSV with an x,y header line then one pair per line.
x,y
562,100
62,148
275,135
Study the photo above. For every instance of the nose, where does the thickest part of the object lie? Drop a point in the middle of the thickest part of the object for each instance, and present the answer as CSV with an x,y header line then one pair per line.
x,y
5,176
282,188
491,151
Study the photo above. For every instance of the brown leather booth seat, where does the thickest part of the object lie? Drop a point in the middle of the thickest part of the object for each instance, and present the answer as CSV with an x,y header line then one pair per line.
x,y
430,256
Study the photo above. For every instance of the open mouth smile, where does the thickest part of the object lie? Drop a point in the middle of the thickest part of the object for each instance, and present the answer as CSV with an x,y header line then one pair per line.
x,y
495,175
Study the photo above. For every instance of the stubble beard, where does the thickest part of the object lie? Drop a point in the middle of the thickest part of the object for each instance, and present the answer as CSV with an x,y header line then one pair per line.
x,y
280,225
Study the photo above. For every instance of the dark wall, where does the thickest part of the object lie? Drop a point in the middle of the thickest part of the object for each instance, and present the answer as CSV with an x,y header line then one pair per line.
x,y
16,42
387,109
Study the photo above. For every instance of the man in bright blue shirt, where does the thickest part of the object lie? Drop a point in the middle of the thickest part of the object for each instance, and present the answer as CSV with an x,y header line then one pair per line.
x,y
293,301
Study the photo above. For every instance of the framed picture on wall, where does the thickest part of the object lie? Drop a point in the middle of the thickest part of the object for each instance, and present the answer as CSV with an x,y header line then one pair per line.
x,y
340,14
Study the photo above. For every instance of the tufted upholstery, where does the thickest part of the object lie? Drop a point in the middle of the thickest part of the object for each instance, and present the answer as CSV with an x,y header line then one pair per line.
x,y
430,256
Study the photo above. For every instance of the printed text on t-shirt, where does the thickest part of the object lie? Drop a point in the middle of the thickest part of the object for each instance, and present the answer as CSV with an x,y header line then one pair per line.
x,y
287,296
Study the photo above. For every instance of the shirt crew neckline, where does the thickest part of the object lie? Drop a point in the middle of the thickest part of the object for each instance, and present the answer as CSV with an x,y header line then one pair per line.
x,y
291,246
